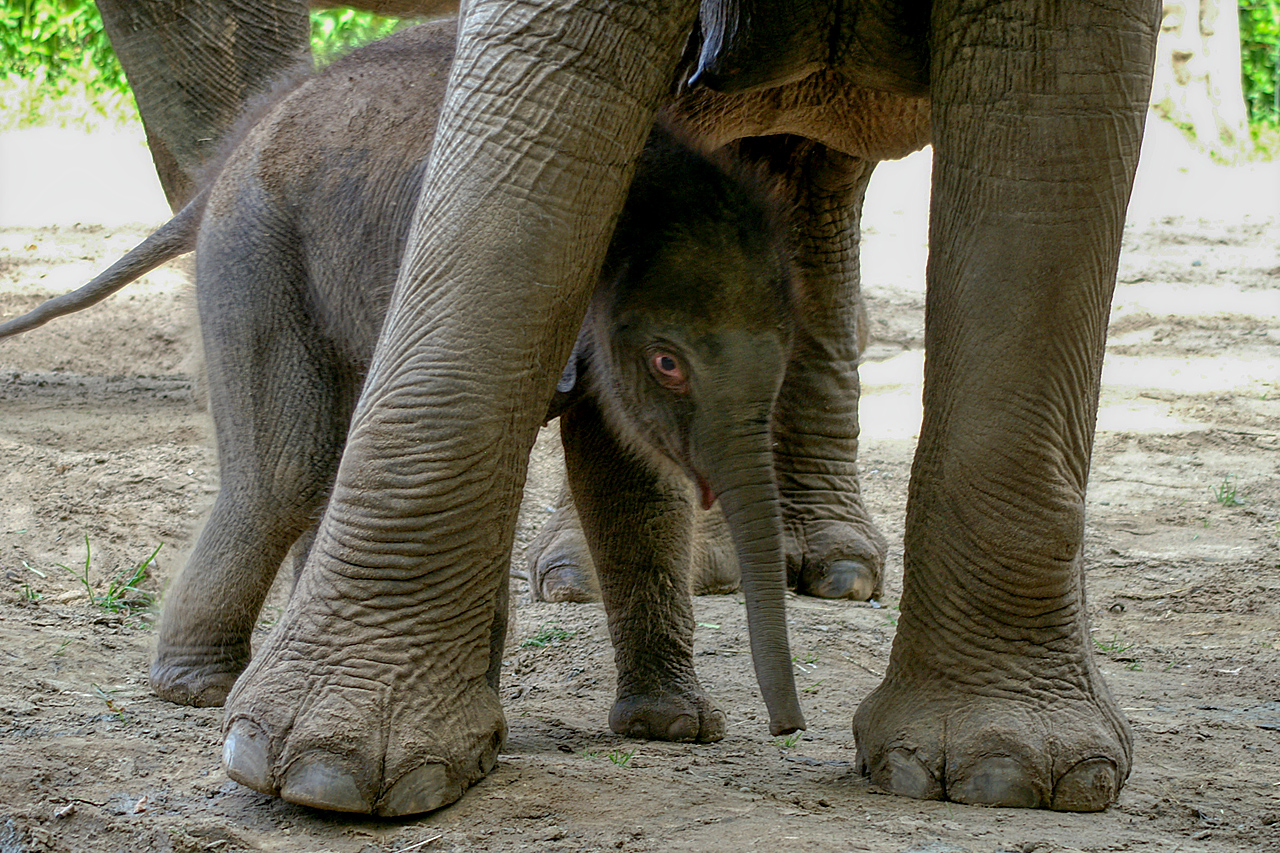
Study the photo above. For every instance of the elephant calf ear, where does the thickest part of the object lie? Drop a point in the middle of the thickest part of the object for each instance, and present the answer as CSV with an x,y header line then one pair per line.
x,y
569,388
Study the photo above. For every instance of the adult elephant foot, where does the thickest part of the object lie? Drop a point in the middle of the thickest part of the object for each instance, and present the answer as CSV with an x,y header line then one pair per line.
x,y
347,743
559,562
688,715
1067,751
835,559
198,677
388,726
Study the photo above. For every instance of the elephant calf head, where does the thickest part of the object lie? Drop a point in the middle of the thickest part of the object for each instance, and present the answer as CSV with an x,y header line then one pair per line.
x,y
690,327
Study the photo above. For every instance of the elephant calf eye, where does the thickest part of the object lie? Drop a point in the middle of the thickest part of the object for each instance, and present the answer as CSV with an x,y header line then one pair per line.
x,y
666,368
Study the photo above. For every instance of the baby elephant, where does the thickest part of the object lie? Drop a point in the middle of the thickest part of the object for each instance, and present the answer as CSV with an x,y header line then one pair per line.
x,y
672,382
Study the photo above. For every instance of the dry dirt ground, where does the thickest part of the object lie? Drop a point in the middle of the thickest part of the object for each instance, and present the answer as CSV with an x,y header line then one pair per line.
x,y
102,439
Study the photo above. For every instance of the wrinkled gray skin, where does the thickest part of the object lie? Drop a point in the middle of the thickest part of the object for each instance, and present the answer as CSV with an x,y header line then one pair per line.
x,y
1035,115
685,342
195,66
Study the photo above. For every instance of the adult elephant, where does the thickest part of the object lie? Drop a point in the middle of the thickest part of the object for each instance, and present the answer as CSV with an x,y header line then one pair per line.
x,y
374,692
196,67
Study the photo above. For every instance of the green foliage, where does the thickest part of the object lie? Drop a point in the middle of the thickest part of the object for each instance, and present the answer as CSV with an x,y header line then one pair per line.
x,y
112,705
54,51
1225,494
616,756
1115,647
123,593
57,39
335,32
1260,60
57,66
82,575
788,741
620,758
549,635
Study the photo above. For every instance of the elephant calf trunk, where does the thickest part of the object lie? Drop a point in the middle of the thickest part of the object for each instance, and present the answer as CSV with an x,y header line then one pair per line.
x,y
755,523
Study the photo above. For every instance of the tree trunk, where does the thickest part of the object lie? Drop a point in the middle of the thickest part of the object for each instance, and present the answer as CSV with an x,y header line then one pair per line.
x,y
1197,74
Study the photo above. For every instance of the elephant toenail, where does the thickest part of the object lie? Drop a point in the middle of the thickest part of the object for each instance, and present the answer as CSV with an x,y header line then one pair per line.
x,y
901,772
320,781
423,789
245,756
562,582
683,728
638,729
997,781
489,755
1090,786
850,579
853,579
713,729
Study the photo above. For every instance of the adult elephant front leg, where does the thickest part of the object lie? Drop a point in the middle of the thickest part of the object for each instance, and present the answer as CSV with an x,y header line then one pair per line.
x,y
992,694
376,693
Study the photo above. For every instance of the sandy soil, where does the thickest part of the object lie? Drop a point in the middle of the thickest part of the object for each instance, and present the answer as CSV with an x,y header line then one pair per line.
x,y
102,438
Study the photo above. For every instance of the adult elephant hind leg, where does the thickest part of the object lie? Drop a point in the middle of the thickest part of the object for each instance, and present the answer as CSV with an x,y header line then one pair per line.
x,y
194,67
834,549
374,692
279,415
713,566
639,524
991,694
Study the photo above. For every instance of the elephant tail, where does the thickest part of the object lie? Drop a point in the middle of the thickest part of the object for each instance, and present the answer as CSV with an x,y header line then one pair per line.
x,y
176,237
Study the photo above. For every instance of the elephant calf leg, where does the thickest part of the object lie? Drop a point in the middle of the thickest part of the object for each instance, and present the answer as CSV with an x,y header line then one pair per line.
x,y
639,524
280,417
213,605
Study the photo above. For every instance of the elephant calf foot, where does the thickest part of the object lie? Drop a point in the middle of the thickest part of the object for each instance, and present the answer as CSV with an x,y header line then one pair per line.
x,y
1061,753
836,560
200,679
667,716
